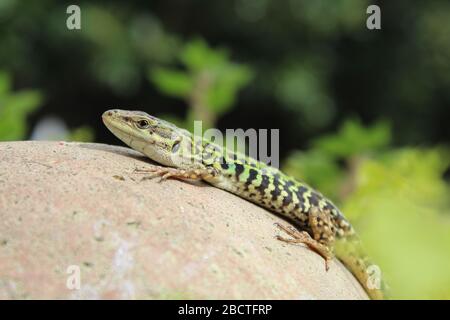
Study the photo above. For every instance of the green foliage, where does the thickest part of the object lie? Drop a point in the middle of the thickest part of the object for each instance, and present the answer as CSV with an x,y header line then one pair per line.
x,y
353,139
14,108
81,134
313,58
401,209
320,166
325,20
397,200
173,83
209,82
303,89
120,45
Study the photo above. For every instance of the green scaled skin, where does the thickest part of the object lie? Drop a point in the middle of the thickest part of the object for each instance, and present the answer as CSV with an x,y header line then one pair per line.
x,y
319,222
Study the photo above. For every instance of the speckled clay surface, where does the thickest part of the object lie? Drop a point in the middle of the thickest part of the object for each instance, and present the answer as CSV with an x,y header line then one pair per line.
x,y
73,204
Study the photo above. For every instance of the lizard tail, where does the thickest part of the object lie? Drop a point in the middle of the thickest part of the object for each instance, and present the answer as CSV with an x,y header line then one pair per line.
x,y
350,252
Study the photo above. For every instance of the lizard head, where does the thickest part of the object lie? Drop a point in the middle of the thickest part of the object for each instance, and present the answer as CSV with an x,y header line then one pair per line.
x,y
160,140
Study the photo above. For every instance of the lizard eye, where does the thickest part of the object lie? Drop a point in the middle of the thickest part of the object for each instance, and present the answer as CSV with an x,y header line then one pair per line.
x,y
143,124
176,146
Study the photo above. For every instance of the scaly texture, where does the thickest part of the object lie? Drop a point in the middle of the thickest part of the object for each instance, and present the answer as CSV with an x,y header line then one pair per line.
x,y
320,224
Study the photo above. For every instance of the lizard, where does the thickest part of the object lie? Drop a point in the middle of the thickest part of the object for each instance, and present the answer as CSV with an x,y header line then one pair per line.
x,y
319,224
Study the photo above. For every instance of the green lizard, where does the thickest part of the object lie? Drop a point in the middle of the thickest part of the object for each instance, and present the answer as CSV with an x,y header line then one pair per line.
x,y
321,226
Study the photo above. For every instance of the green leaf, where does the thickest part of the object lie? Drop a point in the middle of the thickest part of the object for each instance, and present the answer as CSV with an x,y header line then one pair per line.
x,y
82,134
197,56
353,138
229,80
14,111
171,82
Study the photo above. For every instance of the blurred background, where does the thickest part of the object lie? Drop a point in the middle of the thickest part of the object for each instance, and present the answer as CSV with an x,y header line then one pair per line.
x,y
363,114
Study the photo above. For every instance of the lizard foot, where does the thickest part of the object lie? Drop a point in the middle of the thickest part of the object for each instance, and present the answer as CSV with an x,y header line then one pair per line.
x,y
304,238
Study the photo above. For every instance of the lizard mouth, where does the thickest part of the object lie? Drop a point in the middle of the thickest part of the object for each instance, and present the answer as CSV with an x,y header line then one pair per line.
x,y
108,117
117,127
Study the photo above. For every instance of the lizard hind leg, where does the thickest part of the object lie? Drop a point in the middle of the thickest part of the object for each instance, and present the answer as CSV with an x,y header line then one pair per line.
x,y
322,226
303,237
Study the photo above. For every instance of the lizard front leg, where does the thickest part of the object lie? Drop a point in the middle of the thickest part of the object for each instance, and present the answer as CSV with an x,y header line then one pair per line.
x,y
184,174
